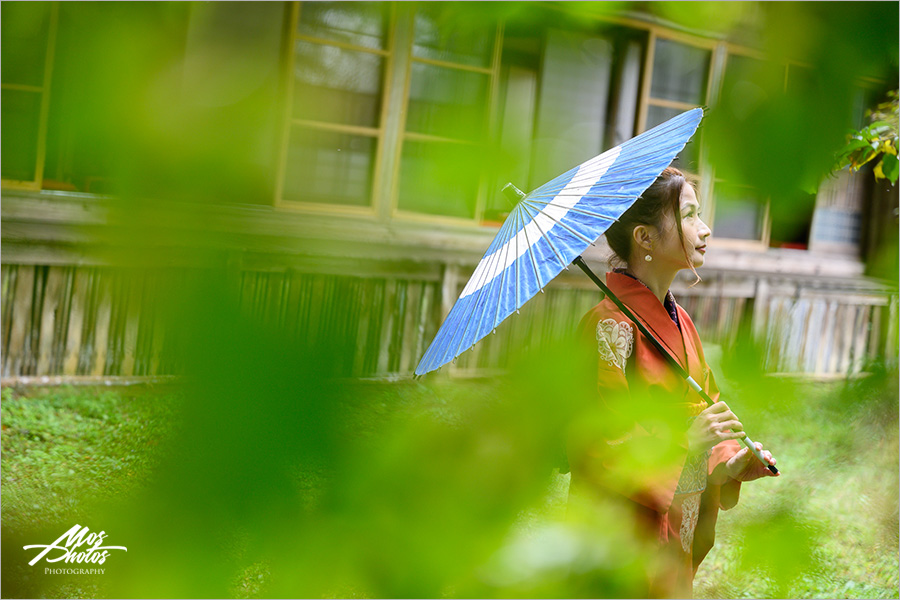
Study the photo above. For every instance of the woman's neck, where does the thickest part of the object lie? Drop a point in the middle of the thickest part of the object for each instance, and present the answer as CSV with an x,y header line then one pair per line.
x,y
657,280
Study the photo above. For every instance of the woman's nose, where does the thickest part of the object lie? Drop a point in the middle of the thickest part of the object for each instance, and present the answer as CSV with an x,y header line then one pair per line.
x,y
705,231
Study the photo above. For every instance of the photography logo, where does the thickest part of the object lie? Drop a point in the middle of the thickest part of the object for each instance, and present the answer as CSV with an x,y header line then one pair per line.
x,y
77,545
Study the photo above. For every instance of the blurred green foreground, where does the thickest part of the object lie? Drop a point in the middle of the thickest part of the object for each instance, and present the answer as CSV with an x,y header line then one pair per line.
x,y
400,490
266,474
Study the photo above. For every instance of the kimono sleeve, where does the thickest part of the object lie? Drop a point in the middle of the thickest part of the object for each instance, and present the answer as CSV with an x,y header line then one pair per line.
x,y
715,497
614,461
721,452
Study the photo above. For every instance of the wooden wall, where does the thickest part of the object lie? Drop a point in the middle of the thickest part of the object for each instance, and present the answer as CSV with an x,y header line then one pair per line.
x,y
106,321
103,321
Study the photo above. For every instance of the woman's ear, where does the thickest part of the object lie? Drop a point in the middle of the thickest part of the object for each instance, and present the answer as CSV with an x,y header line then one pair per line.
x,y
644,236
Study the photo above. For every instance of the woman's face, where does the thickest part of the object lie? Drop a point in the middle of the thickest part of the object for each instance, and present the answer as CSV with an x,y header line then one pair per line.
x,y
669,251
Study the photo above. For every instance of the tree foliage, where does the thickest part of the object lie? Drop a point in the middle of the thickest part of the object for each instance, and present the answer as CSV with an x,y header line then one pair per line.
x,y
876,142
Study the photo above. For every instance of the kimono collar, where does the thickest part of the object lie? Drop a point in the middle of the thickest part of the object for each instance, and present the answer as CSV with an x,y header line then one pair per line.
x,y
668,303
650,311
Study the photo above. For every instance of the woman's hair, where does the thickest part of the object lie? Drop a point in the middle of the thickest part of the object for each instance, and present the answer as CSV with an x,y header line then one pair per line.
x,y
663,195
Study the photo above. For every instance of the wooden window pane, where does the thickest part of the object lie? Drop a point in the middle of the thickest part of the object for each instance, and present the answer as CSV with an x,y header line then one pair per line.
x,y
439,178
679,72
513,164
837,226
337,85
447,102
21,116
358,23
445,32
25,26
329,167
745,82
739,213
688,159
574,86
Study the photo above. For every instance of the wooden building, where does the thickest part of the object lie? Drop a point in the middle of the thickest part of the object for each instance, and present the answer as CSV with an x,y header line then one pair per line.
x,y
344,217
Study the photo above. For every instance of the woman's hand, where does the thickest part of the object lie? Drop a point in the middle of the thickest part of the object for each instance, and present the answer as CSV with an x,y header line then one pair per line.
x,y
744,466
715,424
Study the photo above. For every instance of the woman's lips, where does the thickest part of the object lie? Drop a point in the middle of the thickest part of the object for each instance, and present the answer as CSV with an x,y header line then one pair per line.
x,y
701,249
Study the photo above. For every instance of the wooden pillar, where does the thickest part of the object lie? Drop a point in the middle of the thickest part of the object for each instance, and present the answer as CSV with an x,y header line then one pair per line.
x,y
760,308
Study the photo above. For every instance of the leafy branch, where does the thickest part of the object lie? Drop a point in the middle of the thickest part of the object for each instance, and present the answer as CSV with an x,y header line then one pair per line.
x,y
878,141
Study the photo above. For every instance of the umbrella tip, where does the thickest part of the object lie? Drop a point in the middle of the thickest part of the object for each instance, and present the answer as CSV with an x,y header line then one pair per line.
x,y
512,193
494,332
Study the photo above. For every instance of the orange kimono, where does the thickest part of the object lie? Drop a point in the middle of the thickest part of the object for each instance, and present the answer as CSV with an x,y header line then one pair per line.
x,y
646,410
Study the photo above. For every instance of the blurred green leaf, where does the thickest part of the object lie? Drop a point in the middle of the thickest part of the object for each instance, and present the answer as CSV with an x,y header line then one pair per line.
x,y
889,166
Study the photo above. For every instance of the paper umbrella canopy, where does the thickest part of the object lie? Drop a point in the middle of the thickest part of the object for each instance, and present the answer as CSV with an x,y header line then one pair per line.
x,y
549,228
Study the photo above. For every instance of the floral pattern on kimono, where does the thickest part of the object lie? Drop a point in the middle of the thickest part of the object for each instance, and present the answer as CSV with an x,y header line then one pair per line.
x,y
691,486
615,341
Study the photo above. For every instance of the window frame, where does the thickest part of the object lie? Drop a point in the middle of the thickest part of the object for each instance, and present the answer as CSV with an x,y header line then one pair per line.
x,y
370,210
718,69
391,133
37,183
645,99
491,120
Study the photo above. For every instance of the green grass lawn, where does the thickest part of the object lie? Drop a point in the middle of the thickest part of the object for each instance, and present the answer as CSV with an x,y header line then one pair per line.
x,y
837,446
828,528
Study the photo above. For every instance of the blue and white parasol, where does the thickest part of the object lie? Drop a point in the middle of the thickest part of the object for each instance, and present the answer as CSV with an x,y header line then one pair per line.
x,y
549,228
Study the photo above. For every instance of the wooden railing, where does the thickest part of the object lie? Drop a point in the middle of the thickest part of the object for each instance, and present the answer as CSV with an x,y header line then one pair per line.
x,y
103,321
69,310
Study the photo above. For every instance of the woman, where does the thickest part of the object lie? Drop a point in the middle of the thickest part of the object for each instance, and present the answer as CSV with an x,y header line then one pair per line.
x,y
670,460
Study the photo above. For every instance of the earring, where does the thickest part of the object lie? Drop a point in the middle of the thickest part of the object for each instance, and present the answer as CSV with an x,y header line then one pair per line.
x,y
648,258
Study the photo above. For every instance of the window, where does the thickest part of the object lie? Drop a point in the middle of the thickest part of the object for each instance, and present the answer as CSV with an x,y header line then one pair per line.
x,y
451,79
70,138
338,68
389,108
837,223
29,30
740,210
678,82
555,97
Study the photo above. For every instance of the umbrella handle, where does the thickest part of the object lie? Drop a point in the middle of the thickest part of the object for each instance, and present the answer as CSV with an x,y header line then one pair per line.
x,y
746,441
669,358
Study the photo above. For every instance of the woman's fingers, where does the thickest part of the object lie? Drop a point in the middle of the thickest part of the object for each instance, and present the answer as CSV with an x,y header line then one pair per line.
x,y
766,454
716,407
733,424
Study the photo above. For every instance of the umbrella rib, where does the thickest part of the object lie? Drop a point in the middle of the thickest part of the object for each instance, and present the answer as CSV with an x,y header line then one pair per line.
x,y
530,250
516,260
641,143
671,130
574,209
482,283
494,321
497,259
586,177
544,235
570,230
565,194
587,174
